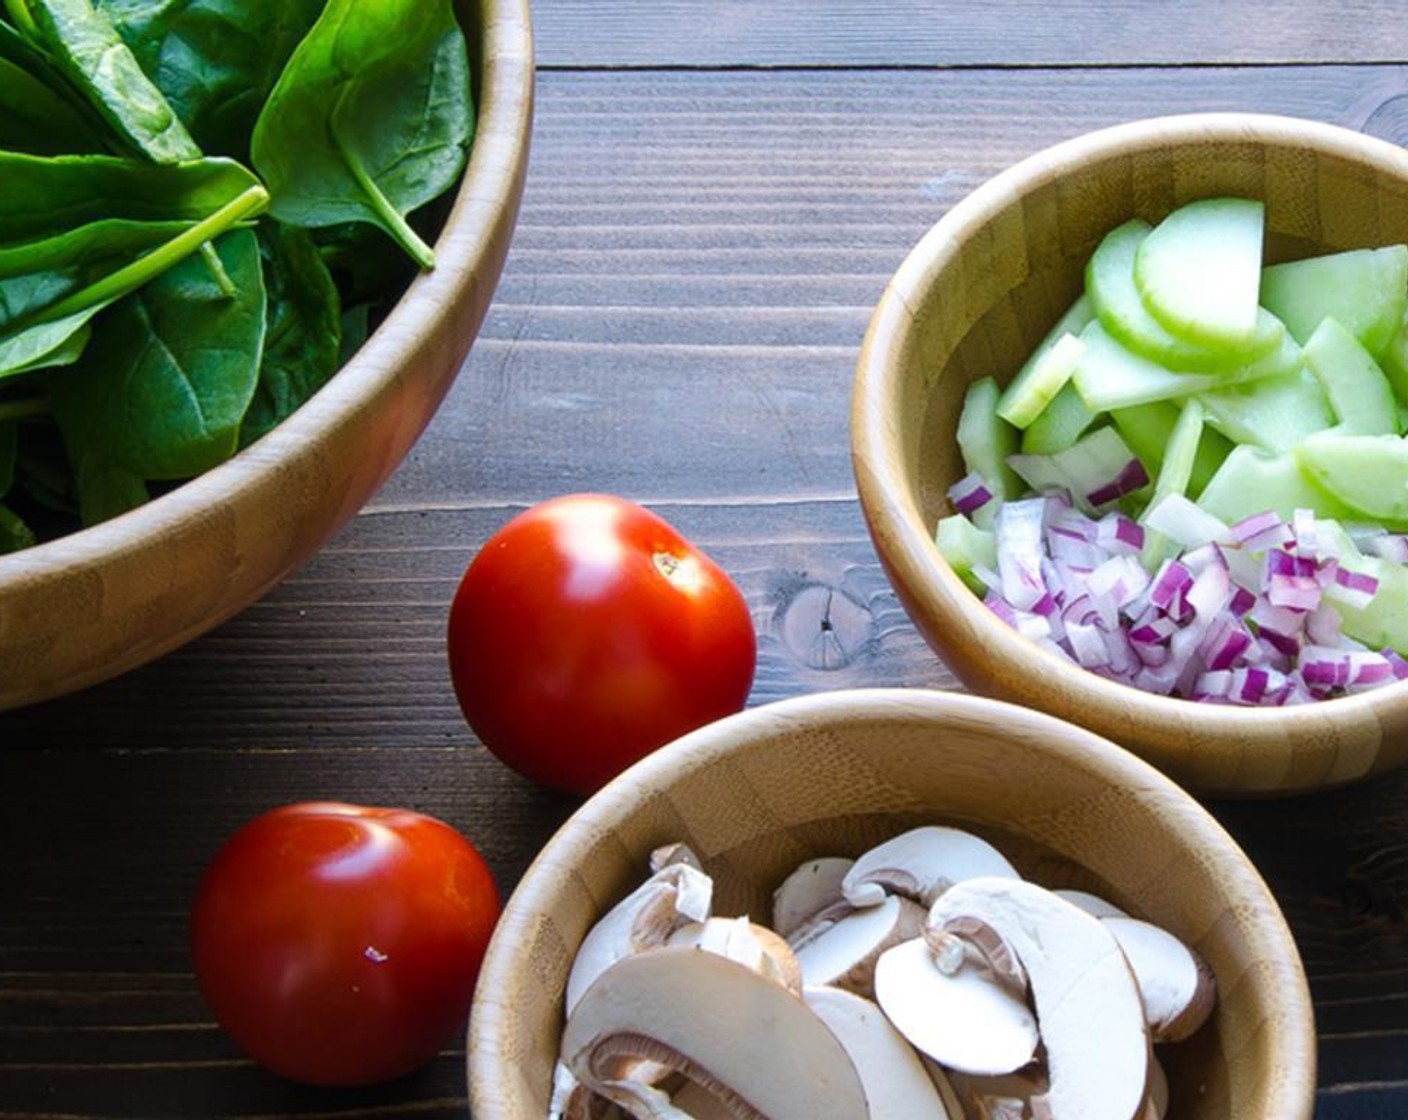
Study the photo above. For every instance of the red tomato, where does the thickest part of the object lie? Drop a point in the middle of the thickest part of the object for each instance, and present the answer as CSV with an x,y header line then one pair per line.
x,y
587,632
338,944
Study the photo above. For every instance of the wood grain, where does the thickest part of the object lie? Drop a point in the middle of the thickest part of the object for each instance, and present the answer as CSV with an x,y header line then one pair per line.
x,y
678,320
922,33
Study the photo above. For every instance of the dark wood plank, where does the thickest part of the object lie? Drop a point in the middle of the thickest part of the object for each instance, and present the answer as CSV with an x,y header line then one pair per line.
x,y
678,322
924,33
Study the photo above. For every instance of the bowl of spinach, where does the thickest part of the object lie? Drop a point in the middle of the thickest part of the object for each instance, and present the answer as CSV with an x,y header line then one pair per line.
x,y
245,248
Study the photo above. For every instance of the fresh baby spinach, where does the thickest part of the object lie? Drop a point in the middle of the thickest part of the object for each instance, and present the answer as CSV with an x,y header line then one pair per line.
x,y
302,346
215,60
369,119
90,52
162,389
193,225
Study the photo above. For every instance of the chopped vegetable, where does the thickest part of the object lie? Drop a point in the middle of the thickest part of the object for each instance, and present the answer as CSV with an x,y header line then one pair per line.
x,y
1216,502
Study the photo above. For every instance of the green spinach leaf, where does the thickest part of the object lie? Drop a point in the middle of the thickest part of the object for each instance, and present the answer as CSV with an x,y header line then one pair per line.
x,y
370,119
215,60
43,345
33,118
166,380
44,196
302,342
88,48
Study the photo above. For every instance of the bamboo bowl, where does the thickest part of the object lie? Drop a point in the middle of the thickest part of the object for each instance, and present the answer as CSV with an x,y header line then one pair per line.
x,y
86,607
977,293
833,773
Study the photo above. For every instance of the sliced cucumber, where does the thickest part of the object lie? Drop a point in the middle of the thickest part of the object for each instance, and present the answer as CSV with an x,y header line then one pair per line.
x,y
1383,621
1199,270
1356,387
1365,289
1147,428
1175,474
985,440
966,547
1368,474
1109,281
1275,413
1394,362
1038,381
1059,424
1251,481
1109,375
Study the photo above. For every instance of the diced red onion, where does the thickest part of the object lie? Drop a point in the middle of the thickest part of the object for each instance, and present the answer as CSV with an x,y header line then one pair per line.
x,y
1243,615
1130,478
969,493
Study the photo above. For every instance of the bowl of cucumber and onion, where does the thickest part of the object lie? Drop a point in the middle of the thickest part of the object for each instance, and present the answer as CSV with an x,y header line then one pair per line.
x,y
1128,434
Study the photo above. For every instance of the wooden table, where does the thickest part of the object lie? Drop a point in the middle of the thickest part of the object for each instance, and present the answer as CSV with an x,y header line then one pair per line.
x,y
716,197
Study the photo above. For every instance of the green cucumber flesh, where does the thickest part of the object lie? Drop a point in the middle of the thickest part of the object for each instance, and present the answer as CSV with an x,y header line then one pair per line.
x,y
1275,413
1365,289
966,547
985,441
1383,621
1366,473
1147,429
1059,424
1356,387
1038,381
1251,481
1109,280
1199,270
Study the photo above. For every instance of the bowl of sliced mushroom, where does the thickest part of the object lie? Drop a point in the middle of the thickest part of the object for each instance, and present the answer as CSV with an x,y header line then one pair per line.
x,y
891,905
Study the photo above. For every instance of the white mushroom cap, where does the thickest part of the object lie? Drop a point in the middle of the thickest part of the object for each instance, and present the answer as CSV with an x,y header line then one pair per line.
x,y
676,894
922,863
756,1047
1176,984
1086,999
1092,904
812,888
964,1021
897,1085
843,953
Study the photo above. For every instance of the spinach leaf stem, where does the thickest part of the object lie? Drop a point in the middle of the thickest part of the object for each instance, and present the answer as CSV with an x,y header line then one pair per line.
x,y
130,277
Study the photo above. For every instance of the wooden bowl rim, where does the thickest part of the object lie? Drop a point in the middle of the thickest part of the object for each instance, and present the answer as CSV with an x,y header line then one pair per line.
x,y
505,966
504,113
881,479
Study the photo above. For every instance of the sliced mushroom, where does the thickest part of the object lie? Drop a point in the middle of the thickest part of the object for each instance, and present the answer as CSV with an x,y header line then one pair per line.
x,y
897,1085
1092,904
739,939
921,864
1009,1096
843,953
965,1020
571,1100
1156,1098
1176,984
667,855
1093,1032
754,1046
673,896
815,887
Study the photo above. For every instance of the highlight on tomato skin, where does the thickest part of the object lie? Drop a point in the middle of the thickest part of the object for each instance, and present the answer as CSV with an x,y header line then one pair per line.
x,y
587,633
339,944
